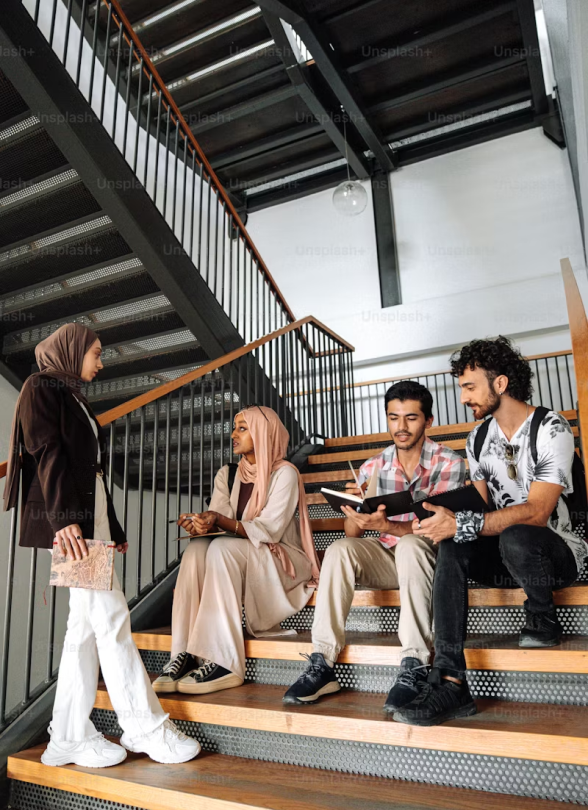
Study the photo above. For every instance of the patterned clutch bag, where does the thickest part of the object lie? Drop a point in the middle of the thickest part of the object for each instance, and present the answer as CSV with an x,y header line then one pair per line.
x,y
94,572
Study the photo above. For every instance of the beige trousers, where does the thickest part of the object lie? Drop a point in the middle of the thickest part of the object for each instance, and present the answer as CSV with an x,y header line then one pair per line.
x,y
408,566
208,599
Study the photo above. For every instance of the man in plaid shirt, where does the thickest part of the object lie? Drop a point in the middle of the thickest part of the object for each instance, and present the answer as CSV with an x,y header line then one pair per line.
x,y
396,558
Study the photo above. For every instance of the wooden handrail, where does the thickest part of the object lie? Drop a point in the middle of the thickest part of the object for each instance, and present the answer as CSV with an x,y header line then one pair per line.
x,y
162,390
579,333
159,86
447,371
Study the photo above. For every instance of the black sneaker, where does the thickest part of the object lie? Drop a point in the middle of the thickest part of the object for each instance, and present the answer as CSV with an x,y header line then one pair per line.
x,y
317,680
173,671
408,685
541,630
437,703
209,677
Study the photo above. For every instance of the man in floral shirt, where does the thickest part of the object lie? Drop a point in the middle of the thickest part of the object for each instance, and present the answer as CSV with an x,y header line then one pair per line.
x,y
396,558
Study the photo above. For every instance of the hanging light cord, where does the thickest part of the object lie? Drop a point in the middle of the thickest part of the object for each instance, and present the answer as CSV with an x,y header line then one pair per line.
x,y
345,139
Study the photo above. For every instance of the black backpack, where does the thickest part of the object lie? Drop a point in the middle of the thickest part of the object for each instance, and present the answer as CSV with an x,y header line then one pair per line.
x,y
232,474
577,502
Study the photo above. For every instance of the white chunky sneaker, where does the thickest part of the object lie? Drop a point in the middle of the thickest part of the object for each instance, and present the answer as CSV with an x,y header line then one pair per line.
x,y
167,744
95,752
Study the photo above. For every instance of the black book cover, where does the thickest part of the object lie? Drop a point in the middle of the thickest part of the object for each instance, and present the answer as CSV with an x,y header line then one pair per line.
x,y
466,498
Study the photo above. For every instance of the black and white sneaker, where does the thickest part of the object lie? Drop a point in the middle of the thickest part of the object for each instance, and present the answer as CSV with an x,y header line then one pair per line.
x,y
209,677
440,700
541,630
318,679
173,671
409,684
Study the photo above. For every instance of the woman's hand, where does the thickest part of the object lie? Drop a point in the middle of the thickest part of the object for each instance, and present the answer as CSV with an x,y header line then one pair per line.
x,y
71,542
204,522
123,548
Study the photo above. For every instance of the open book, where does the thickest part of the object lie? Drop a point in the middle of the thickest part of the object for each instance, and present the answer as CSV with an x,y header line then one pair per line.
x,y
400,503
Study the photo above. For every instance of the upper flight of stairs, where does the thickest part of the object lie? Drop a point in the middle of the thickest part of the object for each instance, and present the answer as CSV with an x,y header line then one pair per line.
x,y
62,259
530,738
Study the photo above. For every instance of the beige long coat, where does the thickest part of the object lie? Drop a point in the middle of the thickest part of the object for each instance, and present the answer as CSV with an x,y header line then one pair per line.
x,y
270,594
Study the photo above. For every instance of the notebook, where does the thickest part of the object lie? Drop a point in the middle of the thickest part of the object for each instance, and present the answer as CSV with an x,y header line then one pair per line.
x,y
466,498
398,503
94,572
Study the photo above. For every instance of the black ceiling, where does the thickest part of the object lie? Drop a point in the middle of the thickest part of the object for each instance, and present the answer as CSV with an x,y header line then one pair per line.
x,y
389,69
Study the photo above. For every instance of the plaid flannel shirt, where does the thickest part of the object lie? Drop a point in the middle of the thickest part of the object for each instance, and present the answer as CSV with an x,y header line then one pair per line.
x,y
439,469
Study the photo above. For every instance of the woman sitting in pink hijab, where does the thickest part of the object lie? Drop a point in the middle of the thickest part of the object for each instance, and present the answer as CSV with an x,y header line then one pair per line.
x,y
266,561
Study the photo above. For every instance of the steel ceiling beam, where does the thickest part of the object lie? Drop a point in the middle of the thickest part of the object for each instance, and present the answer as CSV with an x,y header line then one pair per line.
x,y
457,24
528,21
310,94
328,64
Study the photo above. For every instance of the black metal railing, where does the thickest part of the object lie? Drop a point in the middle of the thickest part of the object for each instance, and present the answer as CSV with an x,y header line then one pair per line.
x,y
164,450
554,386
105,58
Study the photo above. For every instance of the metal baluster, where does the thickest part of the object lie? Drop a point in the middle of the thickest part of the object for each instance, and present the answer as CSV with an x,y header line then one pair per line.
x,y
179,466
201,465
30,624
140,498
569,375
201,196
213,286
250,296
313,363
222,420
231,240
184,195
167,474
125,511
127,98
222,293
298,392
67,29
175,197
559,383
191,451
551,403
82,39
212,415
231,409
8,605
51,634
36,14
154,486
111,455
52,26
148,131
157,145
208,230
117,77
105,62
238,281
166,153
93,57
193,209
539,382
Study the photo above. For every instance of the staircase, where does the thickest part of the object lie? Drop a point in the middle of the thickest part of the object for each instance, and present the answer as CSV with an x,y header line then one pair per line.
x,y
528,740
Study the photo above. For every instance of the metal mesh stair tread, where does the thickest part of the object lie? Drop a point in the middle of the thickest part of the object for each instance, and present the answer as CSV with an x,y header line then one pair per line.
x,y
213,780
497,652
544,732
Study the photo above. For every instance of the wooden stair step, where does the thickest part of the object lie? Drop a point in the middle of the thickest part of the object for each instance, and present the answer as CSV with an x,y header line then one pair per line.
x,y
548,733
217,782
363,455
457,429
483,652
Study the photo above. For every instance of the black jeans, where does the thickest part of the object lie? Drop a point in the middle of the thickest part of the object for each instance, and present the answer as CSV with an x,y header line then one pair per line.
x,y
530,557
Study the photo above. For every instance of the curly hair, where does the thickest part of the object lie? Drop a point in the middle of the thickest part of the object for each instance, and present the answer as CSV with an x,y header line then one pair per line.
x,y
409,389
496,357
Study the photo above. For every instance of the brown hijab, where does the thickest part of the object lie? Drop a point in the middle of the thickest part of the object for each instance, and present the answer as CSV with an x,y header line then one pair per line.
x,y
60,355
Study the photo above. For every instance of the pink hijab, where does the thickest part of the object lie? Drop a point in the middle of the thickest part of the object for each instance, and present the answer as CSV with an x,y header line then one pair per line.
x,y
270,439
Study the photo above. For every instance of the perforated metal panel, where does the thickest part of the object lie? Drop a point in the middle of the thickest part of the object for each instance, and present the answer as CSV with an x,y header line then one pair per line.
x,y
569,689
566,783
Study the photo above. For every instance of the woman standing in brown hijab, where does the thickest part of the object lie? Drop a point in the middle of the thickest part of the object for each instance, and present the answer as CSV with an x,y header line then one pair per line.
x,y
59,446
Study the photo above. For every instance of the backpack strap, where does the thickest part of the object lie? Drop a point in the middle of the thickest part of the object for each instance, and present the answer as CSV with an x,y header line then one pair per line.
x,y
232,473
481,438
538,416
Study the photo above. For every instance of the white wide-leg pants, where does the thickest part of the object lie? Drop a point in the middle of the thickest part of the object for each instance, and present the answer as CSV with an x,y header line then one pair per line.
x,y
99,636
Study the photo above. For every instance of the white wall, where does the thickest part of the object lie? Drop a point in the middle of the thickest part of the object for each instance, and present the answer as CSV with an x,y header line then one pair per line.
x,y
480,235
